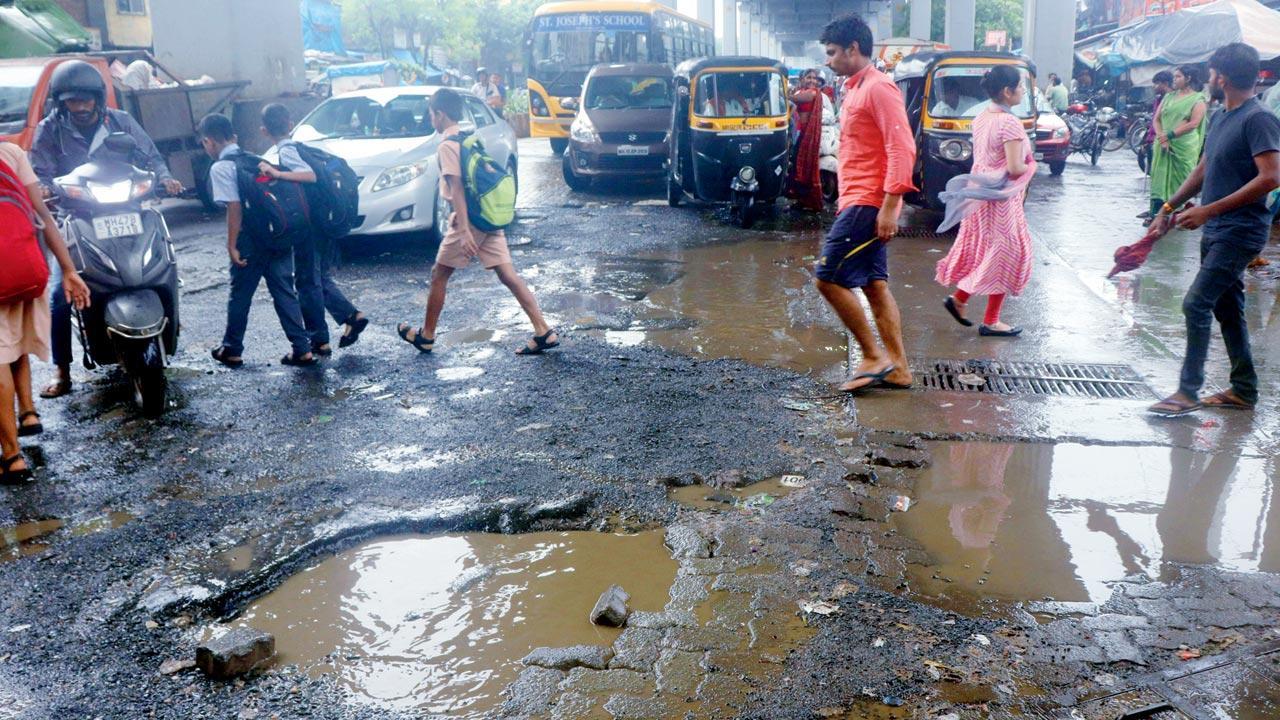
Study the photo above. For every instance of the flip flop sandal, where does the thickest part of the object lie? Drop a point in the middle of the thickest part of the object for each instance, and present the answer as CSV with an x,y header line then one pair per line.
x,y
424,345
296,360
29,430
353,334
950,305
221,355
877,379
56,390
542,344
1171,408
1225,402
14,477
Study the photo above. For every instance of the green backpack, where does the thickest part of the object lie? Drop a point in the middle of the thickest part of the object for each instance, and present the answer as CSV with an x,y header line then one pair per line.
x,y
491,191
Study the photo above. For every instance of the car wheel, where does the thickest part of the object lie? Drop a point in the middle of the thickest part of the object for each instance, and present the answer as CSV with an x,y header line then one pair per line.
x,y
575,183
1057,166
559,145
439,219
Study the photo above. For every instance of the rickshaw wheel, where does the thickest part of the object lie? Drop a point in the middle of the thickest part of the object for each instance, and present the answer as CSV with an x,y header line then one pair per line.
x,y
743,211
674,192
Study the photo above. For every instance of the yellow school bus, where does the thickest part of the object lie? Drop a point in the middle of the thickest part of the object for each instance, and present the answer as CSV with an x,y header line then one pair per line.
x,y
566,39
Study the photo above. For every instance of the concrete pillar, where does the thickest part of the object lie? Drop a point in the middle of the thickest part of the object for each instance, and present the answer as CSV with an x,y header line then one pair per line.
x,y
884,23
960,23
744,30
921,19
729,27
707,11
757,46
1048,39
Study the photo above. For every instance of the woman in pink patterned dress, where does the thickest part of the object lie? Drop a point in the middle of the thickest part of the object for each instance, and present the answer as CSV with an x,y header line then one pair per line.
x,y
992,252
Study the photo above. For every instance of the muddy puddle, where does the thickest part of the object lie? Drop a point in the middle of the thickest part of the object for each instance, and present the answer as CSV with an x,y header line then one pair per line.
x,y
1064,522
751,497
37,536
438,624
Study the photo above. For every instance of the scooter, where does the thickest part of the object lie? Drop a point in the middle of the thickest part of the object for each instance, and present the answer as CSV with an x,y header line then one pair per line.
x,y
828,160
123,251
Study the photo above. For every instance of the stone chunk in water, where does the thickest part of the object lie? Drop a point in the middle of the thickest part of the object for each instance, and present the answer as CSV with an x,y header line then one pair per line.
x,y
566,658
685,542
235,653
611,609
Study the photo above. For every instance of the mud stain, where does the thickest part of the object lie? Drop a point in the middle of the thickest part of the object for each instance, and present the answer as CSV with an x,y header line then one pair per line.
x,y
439,624
1035,521
751,497
28,538
107,521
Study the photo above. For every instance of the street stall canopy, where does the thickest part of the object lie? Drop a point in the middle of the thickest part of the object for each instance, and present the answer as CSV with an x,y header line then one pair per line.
x,y
29,28
1186,37
322,27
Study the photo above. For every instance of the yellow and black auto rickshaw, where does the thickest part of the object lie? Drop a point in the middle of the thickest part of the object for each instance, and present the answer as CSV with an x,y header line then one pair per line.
x,y
943,93
730,133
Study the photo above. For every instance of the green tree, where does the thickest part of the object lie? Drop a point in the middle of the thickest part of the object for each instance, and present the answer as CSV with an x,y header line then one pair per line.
x,y
469,30
989,15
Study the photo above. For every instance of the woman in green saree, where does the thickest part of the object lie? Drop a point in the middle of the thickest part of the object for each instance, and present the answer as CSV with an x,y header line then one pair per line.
x,y
1179,126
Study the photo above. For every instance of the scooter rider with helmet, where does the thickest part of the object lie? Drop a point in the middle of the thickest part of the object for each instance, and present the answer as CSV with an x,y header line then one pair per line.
x,y
65,139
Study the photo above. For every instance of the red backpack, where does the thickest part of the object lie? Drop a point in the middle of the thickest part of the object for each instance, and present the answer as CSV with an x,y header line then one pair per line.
x,y
24,273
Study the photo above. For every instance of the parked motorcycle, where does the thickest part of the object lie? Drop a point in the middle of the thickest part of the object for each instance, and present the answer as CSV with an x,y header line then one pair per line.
x,y
124,253
1089,129
828,161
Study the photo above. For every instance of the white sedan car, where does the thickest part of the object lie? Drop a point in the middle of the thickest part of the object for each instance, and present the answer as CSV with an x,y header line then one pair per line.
x,y
385,134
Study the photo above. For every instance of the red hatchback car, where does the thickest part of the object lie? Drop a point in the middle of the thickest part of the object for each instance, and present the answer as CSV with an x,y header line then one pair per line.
x,y
1053,137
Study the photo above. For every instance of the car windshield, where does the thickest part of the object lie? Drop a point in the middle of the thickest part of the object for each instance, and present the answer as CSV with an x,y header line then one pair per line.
x,y
956,92
740,94
363,117
17,85
616,92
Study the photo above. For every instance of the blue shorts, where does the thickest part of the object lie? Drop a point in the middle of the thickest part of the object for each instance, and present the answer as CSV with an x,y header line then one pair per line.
x,y
851,256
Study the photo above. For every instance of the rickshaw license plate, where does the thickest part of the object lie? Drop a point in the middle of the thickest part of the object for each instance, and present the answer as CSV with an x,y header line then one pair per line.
x,y
113,226
632,150
1039,156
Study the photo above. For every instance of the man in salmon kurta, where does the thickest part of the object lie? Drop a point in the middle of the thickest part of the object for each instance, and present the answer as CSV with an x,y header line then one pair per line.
x,y
877,154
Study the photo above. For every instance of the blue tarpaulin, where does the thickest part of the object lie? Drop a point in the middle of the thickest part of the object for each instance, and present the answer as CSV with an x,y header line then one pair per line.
x,y
322,26
369,68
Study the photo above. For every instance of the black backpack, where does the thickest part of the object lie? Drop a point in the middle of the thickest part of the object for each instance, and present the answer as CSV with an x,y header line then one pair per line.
x,y
275,211
335,195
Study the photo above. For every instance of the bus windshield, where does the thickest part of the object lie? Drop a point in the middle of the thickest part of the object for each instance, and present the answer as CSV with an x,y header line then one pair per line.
x,y
565,46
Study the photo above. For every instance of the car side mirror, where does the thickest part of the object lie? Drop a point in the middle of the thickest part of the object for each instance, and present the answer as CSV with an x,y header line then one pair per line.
x,y
683,91
569,104
120,143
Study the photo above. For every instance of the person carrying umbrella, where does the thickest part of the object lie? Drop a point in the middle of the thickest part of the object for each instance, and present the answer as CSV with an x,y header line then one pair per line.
x,y
1179,133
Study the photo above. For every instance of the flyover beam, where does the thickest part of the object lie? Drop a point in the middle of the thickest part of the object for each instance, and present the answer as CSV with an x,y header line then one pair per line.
x,y
1048,39
727,29
960,25
921,19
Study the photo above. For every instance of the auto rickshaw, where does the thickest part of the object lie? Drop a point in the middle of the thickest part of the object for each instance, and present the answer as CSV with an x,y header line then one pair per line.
x,y
943,92
730,133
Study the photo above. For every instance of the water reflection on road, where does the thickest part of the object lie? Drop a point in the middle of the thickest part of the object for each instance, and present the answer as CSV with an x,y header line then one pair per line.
x,y
1028,521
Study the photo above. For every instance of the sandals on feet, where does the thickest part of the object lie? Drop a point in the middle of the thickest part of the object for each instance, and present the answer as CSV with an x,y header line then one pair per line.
x,y
295,360
1171,407
28,430
1226,400
355,326
424,345
324,350
56,390
540,341
222,355
14,477
876,378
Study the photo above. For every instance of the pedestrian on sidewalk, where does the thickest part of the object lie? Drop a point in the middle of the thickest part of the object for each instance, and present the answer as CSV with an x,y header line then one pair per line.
x,y
992,252
877,153
251,258
462,241
313,256
1241,164
1179,133
25,324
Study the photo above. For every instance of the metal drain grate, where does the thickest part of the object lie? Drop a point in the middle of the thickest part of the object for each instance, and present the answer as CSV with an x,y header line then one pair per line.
x,y
1002,377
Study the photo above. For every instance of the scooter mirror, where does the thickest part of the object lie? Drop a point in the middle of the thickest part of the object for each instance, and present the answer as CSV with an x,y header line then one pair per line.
x,y
120,143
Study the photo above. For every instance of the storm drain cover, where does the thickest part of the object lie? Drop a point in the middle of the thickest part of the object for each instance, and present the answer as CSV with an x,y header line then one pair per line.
x,y
1003,377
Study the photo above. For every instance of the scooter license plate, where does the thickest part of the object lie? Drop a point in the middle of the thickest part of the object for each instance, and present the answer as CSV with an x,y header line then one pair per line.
x,y
113,226
632,150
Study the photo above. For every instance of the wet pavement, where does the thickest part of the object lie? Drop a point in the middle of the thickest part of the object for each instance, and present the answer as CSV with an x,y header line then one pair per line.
x,y
398,522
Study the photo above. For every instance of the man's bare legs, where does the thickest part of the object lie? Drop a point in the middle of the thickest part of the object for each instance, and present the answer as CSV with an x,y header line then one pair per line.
x,y
874,358
508,276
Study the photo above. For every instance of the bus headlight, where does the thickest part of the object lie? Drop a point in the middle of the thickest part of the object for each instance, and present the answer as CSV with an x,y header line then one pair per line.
x,y
956,150
538,105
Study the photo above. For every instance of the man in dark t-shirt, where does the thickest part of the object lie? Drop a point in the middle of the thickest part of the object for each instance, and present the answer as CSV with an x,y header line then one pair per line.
x,y
1240,165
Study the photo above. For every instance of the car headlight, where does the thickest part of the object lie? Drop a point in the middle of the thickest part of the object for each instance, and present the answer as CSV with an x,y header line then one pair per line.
x,y
1060,132
956,150
747,174
397,176
110,193
582,130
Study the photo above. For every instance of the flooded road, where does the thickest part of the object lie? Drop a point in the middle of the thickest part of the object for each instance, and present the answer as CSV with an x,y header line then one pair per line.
x,y
439,624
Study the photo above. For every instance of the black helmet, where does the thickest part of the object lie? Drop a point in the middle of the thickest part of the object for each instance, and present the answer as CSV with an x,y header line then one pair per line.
x,y
482,70
77,80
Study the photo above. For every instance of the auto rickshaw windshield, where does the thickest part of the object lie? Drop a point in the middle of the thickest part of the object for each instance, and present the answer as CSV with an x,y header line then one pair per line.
x,y
740,94
956,92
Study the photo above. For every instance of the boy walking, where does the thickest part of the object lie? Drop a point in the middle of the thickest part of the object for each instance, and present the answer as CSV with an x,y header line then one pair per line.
x,y
313,255
251,260
462,241
1239,167
877,153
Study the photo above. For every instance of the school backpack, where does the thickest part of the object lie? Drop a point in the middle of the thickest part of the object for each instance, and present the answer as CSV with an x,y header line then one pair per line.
x,y
24,273
334,198
490,189
275,211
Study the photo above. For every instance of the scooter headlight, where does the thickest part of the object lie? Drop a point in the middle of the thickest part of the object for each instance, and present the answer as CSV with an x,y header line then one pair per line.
x,y
747,174
111,193
142,187
956,150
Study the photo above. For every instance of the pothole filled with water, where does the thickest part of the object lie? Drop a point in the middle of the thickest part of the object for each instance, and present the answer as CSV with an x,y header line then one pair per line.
x,y
439,624
1065,522
750,497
